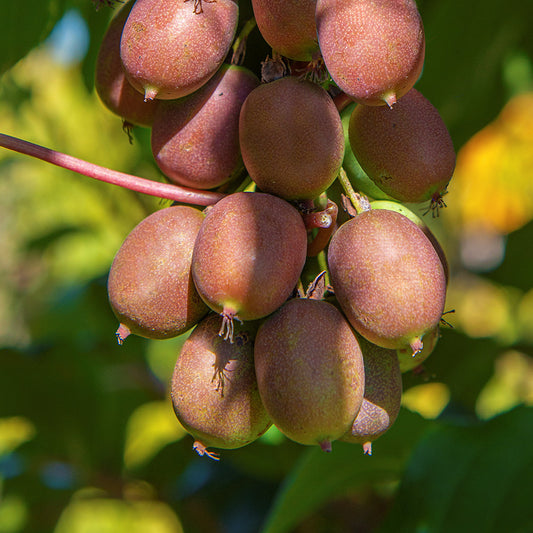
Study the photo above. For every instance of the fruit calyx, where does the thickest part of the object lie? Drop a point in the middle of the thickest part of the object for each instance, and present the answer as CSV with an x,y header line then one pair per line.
x,y
325,445
227,329
122,333
201,450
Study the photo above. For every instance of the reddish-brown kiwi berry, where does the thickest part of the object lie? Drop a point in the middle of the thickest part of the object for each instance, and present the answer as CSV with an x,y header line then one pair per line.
x,y
288,26
291,138
382,397
110,82
407,150
373,49
214,388
150,287
248,255
170,49
309,371
195,139
387,278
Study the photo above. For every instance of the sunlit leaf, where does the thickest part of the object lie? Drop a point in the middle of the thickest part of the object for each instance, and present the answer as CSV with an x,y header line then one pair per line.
x,y
466,479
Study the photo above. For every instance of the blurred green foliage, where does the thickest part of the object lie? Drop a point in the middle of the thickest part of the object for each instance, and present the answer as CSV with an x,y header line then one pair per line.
x,y
88,440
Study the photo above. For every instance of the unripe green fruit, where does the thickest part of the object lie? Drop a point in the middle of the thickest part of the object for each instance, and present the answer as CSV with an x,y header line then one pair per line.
x,y
309,371
382,397
170,50
291,138
195,139
407,150
110,82
288,26
248,256
214,388
150,286
387,278
373,49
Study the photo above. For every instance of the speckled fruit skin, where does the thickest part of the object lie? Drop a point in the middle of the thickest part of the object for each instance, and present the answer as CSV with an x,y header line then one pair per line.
x,y
382,397
150,287
288,26
291,138
249,254
110,82
387,278
400,208
214,388
195,139
309,371
373,49
407,150
169,51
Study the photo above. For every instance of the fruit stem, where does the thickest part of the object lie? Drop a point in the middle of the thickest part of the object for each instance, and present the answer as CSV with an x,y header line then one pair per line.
x,y
134,183
239,45
359,201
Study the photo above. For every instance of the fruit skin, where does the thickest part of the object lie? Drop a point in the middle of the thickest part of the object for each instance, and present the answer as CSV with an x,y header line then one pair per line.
x,y
150,287
195,139
288,26
249,254
291,138
169,51
110,82
400,208
407,150
382,397
387,278
373,49
214,389
357,176
309,371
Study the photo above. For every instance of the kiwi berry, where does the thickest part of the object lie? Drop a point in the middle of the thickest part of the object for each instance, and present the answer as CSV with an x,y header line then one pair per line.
x,y
288,26
248,256
214,389
195,139
309,371
170,49
150,287
387,278
291,138
111,85
407,151
373,49
382,397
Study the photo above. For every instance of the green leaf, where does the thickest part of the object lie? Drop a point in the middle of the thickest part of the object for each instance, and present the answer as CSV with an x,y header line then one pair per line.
x,y
464,479
24,27
462,363
467,44
320,477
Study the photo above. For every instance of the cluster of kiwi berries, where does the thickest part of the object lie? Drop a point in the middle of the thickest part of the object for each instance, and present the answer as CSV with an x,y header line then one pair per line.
x,y
336,104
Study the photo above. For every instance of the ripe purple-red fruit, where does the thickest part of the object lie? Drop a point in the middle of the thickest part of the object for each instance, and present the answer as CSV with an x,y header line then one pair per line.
x,y
291,138
195,139
309,371
407,150
150,287
373,49
214,388
387,278
248,256
169,49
